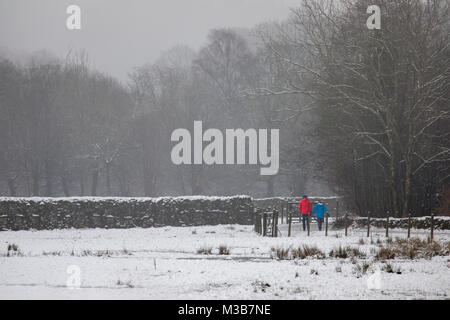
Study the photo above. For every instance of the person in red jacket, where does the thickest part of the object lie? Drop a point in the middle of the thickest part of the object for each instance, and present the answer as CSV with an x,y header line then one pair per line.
x,y
305,209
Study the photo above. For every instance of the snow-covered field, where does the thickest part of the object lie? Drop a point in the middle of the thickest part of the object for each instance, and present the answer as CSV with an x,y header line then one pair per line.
x,y
163,263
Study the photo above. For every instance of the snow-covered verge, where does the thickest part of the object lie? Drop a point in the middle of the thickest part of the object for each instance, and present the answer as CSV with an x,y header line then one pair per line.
x,y
173,263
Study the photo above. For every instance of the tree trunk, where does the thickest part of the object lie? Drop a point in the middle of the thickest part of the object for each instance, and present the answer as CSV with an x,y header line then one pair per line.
x,y
12,187
123,181
270,187
35,179
393,176
196,186
48,179
65,186
94,182
81,181
108,178
408,173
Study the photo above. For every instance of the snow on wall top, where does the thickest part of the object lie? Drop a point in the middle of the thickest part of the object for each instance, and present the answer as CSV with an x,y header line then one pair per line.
x,y
122,199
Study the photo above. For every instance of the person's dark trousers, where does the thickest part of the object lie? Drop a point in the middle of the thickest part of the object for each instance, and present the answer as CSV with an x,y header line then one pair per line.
x,y
304,221
319,223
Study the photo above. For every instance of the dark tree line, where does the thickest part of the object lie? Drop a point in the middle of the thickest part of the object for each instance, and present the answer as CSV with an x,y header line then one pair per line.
x,y
381,98
68,130
362,113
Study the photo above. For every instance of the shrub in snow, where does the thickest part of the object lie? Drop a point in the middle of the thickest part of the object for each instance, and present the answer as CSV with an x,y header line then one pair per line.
x,y
391,269
339,253
411,249
260,285
346,252
301,252
204,250
385,253
280,253
223,250
307,251
124,283
361,269
13,250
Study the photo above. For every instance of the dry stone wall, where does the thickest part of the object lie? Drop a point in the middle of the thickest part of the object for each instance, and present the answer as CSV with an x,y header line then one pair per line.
x,y
91,212
440,223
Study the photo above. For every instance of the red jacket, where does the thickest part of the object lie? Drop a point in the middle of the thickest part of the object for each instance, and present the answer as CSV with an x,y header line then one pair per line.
x,y
305,206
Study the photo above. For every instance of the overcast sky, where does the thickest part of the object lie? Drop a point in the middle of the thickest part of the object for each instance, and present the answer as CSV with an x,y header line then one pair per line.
x,y
121,34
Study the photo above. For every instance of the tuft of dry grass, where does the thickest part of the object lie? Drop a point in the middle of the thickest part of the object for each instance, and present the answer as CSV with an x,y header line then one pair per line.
x,y
307,251
224,250
314,272
414,248
204,250
13,247
339,253
391,269
301,252
385,253
52,253
280,253
260,285
361,269
346,252
127,284
13,250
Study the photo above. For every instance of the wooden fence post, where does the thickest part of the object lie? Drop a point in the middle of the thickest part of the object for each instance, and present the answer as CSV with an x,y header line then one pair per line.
x,y
257,220
326,224
368,224
259,224
346,223
432,227
409,224
308,223
290,223
337,209
255,217
264,224
275,223
387,225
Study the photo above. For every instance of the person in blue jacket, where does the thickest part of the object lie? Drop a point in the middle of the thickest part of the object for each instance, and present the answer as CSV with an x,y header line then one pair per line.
x,y
319,210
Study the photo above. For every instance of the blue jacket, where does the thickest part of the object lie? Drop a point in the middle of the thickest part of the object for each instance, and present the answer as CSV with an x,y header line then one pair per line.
x,y
319,209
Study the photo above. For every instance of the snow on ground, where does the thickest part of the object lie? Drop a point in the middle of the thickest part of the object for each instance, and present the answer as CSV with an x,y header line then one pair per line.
x,y
163,263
